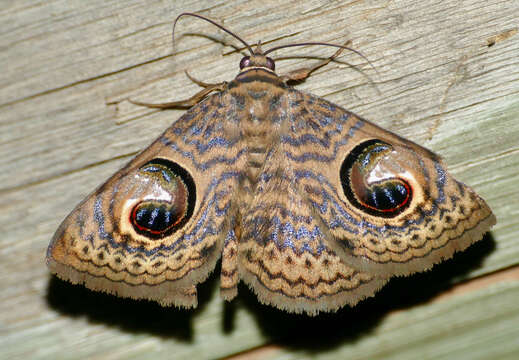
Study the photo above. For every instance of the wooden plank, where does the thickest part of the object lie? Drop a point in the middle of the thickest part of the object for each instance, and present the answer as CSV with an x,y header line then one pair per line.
x,y
447,78
456,329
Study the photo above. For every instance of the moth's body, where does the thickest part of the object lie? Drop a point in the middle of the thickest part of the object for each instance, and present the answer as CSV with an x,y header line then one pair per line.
x,y
257,95
307,203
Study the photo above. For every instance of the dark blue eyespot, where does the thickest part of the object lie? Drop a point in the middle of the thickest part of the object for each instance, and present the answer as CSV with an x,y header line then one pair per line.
x,y
370,189
157,218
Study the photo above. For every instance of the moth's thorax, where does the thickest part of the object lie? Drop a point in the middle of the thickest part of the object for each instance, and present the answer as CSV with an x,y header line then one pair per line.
x,y
259,94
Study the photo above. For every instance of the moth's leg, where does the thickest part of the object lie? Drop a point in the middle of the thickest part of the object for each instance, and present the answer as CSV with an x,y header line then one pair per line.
x,y
229,276
195,99
199,82
303,73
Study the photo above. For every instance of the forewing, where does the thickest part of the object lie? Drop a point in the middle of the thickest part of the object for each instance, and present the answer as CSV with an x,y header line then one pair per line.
x,y
341,205
157,227
390,205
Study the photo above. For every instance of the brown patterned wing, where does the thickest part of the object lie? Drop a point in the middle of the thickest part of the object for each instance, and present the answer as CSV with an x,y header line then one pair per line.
x,y
342,205
284,250
157,227
390,205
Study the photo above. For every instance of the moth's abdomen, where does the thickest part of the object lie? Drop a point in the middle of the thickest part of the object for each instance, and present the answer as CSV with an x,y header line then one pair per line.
x,y
255,160
260,106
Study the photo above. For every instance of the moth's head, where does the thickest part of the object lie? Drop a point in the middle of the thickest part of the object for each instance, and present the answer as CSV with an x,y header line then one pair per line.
x,y
257,60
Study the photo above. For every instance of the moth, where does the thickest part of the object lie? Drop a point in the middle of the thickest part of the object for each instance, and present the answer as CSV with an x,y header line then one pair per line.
x,y
311,206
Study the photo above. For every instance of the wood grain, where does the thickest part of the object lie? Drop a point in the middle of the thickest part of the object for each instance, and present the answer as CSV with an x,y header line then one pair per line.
x,y
448,79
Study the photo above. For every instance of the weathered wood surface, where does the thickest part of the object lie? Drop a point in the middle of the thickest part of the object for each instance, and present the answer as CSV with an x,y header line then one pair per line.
x,y
448,78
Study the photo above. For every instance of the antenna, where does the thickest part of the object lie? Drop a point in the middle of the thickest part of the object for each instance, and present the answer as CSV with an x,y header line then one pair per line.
x,y
215,24
322,44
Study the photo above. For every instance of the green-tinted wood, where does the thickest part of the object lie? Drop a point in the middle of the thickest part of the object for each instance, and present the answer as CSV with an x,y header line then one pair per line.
x,y
481,325
65,127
